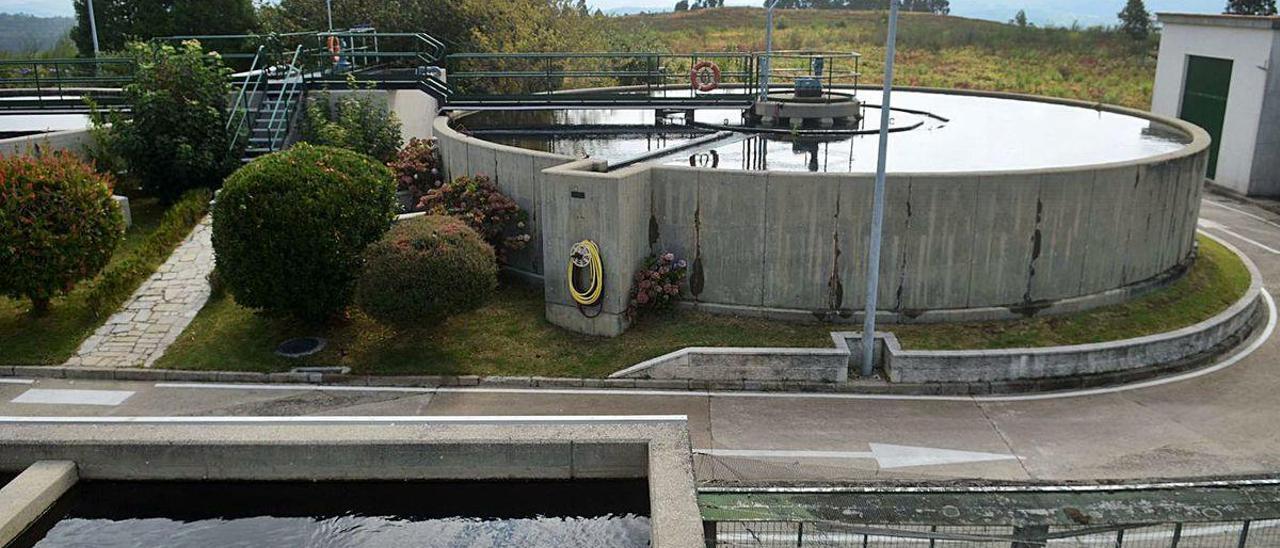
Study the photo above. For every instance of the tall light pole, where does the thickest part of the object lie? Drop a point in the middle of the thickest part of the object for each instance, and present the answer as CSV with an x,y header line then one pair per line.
x,y
877,201
766,63
328,8
93,28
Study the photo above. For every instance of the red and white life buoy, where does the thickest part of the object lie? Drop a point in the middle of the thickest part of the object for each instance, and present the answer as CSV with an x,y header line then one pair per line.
x,y
335,47
705,76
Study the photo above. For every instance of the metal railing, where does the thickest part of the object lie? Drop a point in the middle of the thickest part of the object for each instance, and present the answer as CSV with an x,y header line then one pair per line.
x,y
242,108
63,83
833,68
799,534
533,77
282,110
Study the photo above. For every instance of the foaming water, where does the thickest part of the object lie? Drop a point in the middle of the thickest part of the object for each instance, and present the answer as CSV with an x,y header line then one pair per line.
x,y
348,514
352,531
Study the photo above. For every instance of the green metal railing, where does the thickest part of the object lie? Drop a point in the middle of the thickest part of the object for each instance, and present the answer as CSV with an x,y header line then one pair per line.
x,y
532,77
62,83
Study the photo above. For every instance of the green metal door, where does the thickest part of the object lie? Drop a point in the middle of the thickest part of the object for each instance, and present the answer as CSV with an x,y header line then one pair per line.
x,y
1204,99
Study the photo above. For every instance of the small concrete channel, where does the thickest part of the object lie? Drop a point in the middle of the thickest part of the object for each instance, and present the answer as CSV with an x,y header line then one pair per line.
x,y
405,481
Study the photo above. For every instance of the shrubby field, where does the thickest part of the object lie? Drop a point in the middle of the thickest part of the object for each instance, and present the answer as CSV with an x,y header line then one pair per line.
x,y
934,50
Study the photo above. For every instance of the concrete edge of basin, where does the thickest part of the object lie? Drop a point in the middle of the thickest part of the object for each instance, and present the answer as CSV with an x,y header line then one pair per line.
x,y
29,495
493,449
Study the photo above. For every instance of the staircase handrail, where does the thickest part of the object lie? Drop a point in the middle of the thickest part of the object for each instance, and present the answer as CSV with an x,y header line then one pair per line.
x,y
293,77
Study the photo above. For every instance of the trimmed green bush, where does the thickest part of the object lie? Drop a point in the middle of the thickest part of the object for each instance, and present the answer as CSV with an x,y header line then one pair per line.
x,y
176,138
289,228
425,270
123,277
58,225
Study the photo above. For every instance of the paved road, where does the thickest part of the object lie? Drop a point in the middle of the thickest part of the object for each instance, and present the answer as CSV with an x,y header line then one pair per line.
x,y
1223,423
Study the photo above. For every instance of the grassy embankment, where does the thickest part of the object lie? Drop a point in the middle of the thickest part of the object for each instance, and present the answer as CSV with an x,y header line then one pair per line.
x,y
934,51
510,336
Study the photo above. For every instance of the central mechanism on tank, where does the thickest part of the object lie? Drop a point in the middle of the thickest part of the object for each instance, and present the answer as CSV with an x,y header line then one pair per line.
x,y
807,105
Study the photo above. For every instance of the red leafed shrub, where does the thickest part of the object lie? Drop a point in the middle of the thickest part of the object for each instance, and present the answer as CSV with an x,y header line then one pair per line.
x,y
58,225
479,202
657,285
417,167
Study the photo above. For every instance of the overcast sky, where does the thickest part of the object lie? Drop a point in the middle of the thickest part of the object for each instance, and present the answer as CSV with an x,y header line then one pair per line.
x,y
1041,11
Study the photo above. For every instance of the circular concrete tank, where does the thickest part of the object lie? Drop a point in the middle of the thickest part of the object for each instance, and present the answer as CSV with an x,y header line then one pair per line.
x,y
998,206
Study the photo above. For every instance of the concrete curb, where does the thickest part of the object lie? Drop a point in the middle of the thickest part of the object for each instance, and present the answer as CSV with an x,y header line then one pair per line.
x,y
1017,369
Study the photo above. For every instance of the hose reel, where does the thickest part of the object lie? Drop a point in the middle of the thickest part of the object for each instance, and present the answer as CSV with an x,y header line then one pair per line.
x,y
586,277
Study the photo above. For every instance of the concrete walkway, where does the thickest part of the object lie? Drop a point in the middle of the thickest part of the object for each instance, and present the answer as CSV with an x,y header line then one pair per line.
x,y
152,319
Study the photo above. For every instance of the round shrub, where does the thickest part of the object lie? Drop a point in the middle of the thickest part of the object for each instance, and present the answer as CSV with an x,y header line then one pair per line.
x,y
425,270
289,228
58,225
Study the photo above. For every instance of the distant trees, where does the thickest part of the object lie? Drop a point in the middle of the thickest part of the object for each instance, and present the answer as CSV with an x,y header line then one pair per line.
x,y
1020,19
685,5
1135,20
682,5
940,7
1251,7
120,21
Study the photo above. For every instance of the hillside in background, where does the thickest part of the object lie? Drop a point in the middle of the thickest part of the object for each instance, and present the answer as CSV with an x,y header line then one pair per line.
x,y
26,34
934,51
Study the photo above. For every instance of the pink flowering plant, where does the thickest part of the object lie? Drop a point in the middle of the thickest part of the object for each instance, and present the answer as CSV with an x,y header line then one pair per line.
x,y
479,203
657,285
417,167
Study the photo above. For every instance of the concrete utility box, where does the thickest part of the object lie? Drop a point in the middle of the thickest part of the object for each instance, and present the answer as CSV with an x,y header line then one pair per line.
x,y
1222,72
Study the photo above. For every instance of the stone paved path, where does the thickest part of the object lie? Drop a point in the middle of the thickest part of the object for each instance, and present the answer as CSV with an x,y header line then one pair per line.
x,y
152,319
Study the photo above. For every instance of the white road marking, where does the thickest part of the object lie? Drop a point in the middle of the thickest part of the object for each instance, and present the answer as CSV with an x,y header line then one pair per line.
x,y
1206,224
1261,339
17,381
414,419
886,455
73,397
1243,212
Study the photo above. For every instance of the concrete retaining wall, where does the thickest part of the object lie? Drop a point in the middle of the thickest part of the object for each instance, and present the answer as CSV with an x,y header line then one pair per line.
x,y
963,246
969,366
73,140
517,171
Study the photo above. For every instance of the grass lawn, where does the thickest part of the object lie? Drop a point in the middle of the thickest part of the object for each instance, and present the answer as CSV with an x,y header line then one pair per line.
x,y
510,336
54,338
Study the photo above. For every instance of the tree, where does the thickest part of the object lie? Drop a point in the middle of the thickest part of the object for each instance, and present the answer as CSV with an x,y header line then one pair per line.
x,y
1020,19
682,5
1251,7
120,21
176,138
1135,20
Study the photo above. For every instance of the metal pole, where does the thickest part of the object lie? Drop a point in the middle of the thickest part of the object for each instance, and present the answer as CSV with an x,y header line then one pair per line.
x,y
93,29
328,9
877,204
767,62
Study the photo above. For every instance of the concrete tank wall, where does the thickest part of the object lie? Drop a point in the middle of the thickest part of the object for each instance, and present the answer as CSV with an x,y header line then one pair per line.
x,y
962,246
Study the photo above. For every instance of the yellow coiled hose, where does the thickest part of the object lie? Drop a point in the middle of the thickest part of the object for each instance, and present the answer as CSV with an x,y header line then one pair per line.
x,y
586,256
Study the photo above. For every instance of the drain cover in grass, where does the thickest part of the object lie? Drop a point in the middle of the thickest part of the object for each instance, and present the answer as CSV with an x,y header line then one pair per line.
x,y
299,347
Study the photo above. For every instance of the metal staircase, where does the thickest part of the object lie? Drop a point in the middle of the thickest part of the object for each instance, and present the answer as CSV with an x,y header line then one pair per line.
x,y
267,102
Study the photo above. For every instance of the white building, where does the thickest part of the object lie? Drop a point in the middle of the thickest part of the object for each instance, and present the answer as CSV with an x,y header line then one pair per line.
x,y
1222,72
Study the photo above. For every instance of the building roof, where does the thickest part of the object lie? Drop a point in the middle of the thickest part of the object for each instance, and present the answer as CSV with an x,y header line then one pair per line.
x,y
1260,22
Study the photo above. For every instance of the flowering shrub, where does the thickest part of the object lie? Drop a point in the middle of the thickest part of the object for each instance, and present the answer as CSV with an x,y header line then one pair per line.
x,y
58,225
657,285
417,167
478,202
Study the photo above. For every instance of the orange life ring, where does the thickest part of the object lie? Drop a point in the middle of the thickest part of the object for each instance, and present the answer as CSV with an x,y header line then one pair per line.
x,y
705,76
335,45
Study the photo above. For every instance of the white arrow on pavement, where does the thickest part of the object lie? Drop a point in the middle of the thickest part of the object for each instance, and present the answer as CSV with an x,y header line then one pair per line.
x,y
886,455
